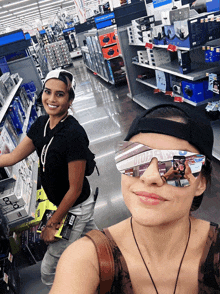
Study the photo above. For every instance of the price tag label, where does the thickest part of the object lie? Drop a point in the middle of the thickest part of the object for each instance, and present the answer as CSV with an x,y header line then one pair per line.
x,y
170,93
178,99
172,48
149,46
156,91
95,73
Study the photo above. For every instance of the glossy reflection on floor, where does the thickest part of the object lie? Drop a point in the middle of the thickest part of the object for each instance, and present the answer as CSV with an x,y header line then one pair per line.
x,y
106,113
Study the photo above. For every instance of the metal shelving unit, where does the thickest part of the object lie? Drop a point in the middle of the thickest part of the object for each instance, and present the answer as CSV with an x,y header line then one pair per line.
x,y
9,99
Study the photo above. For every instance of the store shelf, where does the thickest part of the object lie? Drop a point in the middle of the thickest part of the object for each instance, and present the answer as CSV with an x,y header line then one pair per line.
x,y
113,57
148,82
9,99
109,45
198,72
144,65
32,206
99,75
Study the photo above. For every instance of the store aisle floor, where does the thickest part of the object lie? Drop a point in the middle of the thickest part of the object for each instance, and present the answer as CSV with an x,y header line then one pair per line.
x,y
106,113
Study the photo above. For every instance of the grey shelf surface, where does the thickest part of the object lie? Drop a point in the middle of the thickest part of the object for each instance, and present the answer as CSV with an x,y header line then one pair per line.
x,y
109,45
9,99
99,75
148,82
198,72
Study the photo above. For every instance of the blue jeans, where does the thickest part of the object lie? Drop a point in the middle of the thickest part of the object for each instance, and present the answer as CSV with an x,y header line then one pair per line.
x,y
84,224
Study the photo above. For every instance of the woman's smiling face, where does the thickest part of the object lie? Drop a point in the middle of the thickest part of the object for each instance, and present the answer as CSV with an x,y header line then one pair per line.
x,y
150,200
55,98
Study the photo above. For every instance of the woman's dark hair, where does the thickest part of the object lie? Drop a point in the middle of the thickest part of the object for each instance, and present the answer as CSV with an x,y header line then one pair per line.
x,y
172,113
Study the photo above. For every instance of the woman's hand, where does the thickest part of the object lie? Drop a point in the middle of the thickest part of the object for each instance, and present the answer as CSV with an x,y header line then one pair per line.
x,y
48,233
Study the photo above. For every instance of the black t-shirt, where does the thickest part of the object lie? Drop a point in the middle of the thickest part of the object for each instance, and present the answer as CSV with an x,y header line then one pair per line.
x,y
70,143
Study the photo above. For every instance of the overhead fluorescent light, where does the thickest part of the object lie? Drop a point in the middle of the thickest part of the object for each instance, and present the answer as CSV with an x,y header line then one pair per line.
x,y
3,12
51,4
14,3
22,12
22,7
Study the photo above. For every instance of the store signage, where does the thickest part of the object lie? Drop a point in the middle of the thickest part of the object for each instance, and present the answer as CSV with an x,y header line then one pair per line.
x,y
68,30
104,17
149,45
11,37
159,3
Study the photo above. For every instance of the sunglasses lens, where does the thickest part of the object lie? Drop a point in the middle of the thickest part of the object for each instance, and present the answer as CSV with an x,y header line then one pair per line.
x,y
177,168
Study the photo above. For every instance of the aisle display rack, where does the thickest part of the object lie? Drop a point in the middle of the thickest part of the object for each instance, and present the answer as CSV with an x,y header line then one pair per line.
x,y
184,76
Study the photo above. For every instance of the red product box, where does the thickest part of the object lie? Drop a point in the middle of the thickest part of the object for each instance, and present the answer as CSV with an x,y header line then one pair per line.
x,y
110,52
105,39
116,40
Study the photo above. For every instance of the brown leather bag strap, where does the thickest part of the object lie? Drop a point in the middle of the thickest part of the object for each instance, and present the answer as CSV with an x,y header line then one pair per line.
x,y
105,258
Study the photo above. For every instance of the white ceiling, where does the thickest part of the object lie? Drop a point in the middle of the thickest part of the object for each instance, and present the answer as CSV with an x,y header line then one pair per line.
x,y
28,14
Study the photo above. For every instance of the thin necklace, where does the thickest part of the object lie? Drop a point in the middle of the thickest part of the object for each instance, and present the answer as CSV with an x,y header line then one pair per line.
x,y
146,264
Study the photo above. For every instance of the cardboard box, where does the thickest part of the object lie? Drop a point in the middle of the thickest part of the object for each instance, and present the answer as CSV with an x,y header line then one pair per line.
x,y
110,52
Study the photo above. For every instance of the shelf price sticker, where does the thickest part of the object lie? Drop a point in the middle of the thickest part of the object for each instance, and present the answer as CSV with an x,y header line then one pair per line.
x,y
10,257
170,93
178,99
149,46
172,48
156,91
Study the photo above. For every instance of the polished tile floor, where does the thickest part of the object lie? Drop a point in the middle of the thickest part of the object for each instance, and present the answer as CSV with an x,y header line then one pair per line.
x,y
106,113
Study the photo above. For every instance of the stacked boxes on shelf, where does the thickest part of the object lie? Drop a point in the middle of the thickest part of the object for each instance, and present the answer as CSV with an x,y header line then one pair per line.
x,y
140,30
109,45
58,54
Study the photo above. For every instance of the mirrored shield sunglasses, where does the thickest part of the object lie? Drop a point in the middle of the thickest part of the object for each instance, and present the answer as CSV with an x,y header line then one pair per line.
x,y
176,167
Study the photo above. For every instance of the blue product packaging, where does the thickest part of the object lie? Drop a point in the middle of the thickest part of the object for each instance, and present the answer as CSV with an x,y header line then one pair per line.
x,y
20,105
190,33
213,5
196,91
212,26
163,80
29,94
16,117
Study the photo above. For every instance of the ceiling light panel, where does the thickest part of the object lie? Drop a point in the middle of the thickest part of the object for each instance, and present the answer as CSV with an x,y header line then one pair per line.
x,y
15,3
22,7
22,12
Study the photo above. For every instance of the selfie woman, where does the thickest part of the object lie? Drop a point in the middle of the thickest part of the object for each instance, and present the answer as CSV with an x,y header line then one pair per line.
x,y
165,162
65,161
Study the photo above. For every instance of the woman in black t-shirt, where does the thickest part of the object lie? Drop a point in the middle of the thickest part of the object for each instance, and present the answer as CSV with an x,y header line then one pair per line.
x,y
65,161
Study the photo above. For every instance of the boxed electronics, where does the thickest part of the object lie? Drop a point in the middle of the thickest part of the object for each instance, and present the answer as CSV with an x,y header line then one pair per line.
x,y
213,5
7,81
184,61
143,23
16,116
163,80
214,83
147,36
212,26
15,77
9,126
176,84
169,32
157,56
3,89
168,17
143,56
106,39
110,52
190,33
130,35
196,91
158,35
